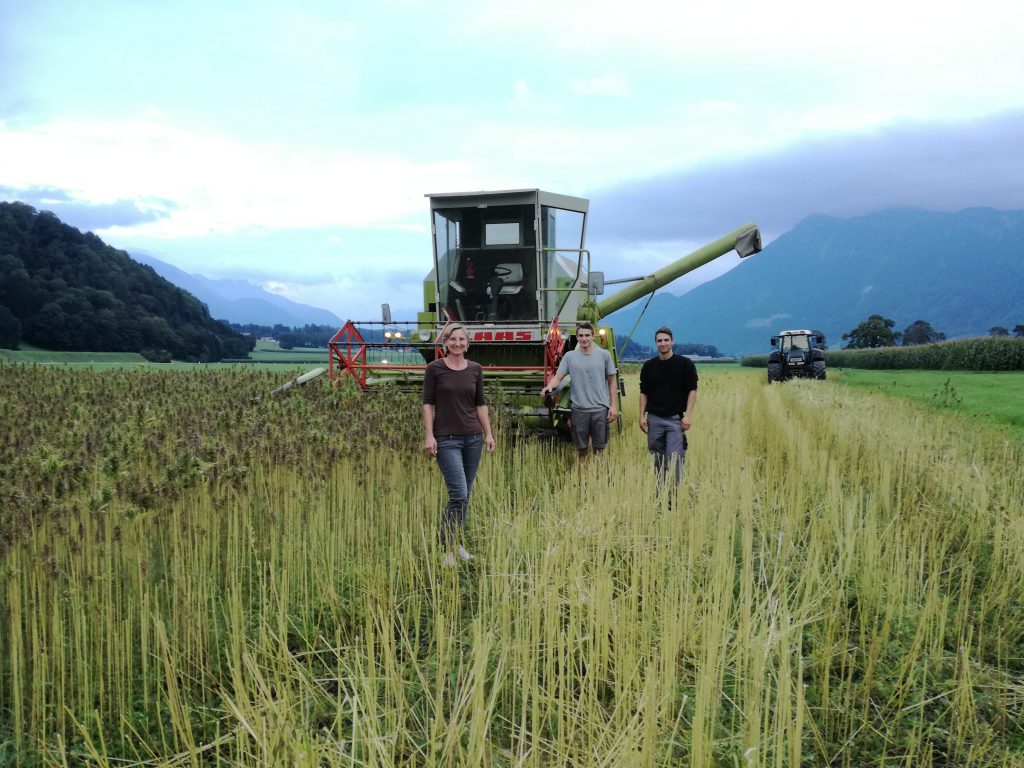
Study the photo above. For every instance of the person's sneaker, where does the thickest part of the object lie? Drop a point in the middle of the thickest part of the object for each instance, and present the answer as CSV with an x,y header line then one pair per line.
x,y
464,555
448,561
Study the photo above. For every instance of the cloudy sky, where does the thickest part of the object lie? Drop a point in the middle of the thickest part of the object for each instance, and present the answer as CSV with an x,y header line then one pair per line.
x,y
292,143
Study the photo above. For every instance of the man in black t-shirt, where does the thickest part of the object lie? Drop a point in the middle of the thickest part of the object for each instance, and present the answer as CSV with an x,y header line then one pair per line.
x,y
668,395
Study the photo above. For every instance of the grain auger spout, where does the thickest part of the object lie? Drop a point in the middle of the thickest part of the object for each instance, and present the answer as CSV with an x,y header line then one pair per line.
x,y
746,241
512,267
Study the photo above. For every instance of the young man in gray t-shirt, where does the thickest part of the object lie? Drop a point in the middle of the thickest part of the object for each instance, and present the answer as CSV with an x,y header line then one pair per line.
x,y
592,373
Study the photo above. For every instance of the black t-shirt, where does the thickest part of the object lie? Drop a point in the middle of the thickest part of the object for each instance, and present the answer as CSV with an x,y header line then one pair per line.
x,y
667,384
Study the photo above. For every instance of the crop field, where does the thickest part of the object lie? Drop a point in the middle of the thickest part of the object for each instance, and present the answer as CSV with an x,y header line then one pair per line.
x,y
196,574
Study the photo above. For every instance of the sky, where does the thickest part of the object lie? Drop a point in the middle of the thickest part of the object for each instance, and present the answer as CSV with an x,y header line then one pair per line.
x,y
292,144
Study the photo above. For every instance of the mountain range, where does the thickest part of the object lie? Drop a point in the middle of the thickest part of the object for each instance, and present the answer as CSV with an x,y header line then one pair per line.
x,y
961,272
239,301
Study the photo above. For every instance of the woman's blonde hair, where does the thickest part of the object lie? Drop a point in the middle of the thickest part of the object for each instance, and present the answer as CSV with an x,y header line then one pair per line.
x,y
449,330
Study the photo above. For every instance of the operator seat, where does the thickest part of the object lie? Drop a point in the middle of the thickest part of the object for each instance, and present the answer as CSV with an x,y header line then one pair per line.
x,y
506,280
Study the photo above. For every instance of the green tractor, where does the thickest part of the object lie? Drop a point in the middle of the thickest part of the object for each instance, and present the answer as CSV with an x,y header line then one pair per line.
x,y
513,268
797,354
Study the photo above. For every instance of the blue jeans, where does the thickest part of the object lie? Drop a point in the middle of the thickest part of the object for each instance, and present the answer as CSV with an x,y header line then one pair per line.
x,y
458,457
665,439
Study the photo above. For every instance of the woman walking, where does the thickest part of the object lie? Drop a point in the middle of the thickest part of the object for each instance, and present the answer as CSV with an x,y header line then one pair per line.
x,y
457,427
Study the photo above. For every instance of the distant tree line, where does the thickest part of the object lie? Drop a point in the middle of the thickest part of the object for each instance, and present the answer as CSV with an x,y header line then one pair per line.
x,y
878,331
998,330
61,289
985,353
309,335
635,351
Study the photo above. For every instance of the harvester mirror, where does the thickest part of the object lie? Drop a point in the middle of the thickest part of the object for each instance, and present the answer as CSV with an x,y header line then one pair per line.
x,y
595,283
749,243
775,341
820,338
385,312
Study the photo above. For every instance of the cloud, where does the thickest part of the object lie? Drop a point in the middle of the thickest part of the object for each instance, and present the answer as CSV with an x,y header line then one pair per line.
x,y
521,91
930,166
604,85
789,29
88,216
218,184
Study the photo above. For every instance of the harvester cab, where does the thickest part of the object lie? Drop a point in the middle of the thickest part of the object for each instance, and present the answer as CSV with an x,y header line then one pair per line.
x,y
513,268
797,354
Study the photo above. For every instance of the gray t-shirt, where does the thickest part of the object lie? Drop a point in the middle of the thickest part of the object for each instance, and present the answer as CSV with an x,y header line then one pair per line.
x,y
589,375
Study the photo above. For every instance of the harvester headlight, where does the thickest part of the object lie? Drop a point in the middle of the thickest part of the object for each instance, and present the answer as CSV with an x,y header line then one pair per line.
x,y
601,331
424,335
387,335
383,362
398,334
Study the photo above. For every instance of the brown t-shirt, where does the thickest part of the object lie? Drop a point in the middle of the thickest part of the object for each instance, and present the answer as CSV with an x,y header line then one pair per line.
x,y
454,395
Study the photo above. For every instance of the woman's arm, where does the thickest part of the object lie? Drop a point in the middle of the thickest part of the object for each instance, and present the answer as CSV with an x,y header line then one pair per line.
x,y
485,421
429,443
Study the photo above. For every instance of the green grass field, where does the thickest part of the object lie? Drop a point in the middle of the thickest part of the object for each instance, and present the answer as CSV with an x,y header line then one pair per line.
x,y
266,354
29,354
270,352
996,398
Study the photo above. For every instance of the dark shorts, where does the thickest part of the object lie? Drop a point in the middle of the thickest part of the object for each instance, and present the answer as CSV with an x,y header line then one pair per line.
x,y
590,426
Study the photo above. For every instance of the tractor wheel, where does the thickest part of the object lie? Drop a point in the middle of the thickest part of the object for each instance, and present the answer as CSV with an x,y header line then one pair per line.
x,y
819,369
774,372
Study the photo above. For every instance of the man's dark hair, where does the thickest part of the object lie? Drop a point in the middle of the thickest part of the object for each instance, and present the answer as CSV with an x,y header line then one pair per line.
x,y
585,325
666,330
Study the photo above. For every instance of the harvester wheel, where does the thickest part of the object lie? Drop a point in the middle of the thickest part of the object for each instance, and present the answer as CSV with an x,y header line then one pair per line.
x,y
819,369
774,372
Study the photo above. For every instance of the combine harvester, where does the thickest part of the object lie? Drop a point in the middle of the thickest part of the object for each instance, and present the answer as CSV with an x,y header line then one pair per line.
x,y
512,267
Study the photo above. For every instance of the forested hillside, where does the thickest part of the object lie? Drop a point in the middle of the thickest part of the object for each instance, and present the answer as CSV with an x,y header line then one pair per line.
x,y
64,290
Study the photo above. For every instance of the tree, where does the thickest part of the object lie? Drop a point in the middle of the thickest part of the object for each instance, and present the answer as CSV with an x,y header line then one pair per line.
x,y
998,330
633,350
288,340
921,332
48,328
10,329
1018,330
876,331
699,350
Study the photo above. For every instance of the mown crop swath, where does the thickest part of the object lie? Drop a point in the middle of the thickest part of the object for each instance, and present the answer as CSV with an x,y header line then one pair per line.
x,y
193,574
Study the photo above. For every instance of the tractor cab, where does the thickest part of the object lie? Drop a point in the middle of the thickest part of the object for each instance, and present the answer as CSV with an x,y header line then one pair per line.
x,y
512,256
798,353
795,341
